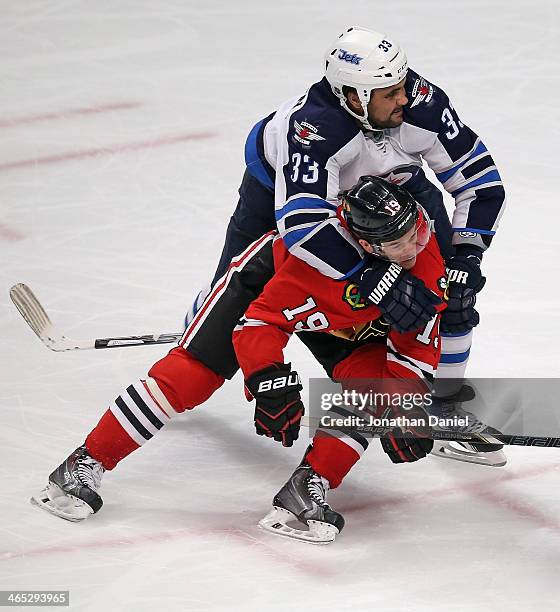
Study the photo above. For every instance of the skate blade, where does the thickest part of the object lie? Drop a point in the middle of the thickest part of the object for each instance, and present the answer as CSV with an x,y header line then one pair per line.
x,y
54,501
457,452
318,532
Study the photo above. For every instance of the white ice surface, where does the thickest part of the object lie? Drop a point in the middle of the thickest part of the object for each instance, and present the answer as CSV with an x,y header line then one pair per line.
x,y
116,217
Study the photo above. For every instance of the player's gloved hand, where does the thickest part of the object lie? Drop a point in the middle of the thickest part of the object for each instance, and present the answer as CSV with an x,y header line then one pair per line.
x,y
404,447
405,301
279,408
464,281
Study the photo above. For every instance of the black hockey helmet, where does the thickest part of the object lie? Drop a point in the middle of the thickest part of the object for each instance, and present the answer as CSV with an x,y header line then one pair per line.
x,y
378,211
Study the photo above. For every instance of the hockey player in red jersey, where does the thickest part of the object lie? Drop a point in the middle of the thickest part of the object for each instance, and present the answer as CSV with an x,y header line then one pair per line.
x,y
389,224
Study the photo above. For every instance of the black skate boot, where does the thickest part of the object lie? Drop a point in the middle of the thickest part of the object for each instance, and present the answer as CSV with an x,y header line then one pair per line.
x,y
303,498
72,490
482,453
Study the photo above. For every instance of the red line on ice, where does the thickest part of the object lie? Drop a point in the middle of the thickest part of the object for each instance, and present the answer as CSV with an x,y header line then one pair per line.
x,y
103,151
239,536
483,489
66,114
520,507
10,234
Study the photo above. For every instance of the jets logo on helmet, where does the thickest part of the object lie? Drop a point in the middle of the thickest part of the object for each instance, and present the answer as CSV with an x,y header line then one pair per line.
x,y
305,133
347,57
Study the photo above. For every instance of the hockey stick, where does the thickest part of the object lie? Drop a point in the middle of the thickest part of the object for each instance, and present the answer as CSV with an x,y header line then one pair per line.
x,y
454,436
35,316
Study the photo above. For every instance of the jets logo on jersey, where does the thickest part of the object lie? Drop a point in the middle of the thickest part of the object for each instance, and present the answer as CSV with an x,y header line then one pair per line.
x,y
421,92
305,133
351,295
398,178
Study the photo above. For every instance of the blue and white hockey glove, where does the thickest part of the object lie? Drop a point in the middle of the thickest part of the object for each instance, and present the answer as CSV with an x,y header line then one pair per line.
x,y
464,281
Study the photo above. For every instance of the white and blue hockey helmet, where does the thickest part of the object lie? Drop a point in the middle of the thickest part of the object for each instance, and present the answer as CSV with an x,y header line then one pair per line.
x,y
365,60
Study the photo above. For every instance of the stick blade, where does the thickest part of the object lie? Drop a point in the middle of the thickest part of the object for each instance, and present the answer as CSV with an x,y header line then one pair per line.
x,y
38,320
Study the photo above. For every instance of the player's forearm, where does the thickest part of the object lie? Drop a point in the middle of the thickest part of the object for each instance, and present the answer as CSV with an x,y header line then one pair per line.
x,y
259,347
478,212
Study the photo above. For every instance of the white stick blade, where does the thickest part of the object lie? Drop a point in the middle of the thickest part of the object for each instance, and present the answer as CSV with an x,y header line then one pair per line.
x,y
38,320
30,309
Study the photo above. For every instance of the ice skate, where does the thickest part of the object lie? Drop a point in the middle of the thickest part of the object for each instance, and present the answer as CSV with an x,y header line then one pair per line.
x,y
481,453
303,499
71,492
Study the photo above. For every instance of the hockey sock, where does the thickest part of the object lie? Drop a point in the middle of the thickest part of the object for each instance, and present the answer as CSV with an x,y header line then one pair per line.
x,y
133,418
176,383
331,458
455,350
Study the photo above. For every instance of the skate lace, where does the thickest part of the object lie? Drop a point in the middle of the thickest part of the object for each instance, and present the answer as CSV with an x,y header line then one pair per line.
x,y
317,486
89,472
474,425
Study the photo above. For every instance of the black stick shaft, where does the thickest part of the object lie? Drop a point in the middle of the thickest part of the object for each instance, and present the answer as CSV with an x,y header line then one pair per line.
x,y
101,343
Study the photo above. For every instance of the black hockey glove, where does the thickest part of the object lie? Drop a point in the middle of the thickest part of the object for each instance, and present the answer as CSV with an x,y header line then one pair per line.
x,y
405,301
279,407
464,281
405,448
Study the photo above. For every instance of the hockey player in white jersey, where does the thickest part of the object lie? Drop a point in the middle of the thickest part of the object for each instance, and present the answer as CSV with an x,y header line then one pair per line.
x,y
372,114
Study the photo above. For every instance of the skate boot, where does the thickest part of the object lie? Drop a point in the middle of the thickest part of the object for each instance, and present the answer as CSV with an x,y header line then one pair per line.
x,y
303,499
71,492
483,453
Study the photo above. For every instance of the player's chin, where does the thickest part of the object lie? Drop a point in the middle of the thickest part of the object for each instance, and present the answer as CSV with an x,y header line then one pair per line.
x,y
395,119
407,264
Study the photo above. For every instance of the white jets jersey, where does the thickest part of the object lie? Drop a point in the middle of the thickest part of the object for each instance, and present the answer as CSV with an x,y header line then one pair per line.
x,y
310,149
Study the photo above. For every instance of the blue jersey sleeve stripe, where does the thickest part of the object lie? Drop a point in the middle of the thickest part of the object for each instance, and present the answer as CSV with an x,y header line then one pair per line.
x,y
489,177
303,203
475,168
474,230
255,165
355,269
444,176
295,236
305,217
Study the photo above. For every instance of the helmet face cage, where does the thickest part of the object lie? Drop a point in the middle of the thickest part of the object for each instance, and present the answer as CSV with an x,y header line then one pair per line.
x,y
406,248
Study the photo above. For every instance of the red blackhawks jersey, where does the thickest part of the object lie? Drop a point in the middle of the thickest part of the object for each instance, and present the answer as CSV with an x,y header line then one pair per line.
x,y
299,298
